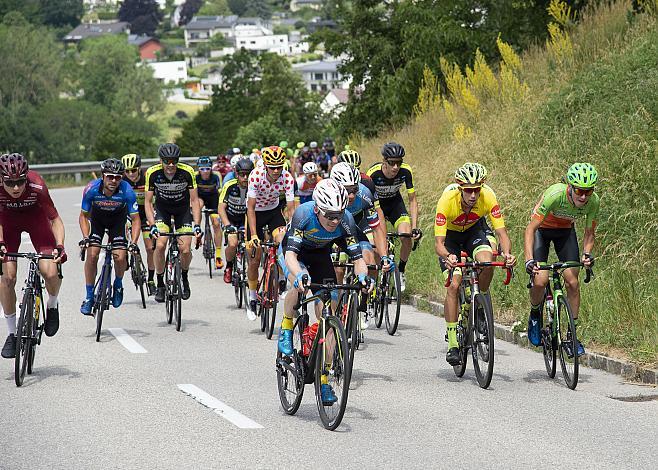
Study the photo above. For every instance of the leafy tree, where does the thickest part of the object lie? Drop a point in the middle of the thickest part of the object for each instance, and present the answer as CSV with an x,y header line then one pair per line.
x,y
259,8
215,8
60,13
263,131
143,15
188,10
126,134
238,7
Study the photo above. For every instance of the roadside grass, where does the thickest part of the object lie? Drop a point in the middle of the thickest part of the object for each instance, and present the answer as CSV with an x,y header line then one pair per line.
x,y
601,107
162,119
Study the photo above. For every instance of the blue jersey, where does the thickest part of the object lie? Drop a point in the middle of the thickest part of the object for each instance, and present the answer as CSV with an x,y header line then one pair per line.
x,y
364,206
228,177
123,201
306,232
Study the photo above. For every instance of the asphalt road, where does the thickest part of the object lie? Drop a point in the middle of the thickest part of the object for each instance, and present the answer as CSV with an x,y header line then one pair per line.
x,y
97,405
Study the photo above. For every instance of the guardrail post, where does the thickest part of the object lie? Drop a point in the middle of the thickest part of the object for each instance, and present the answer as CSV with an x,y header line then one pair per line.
x,y
78,177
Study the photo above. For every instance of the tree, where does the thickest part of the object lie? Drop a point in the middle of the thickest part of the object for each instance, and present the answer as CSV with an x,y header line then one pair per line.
x,y
215,8
258,8
238,7
143,15
188,10
61,13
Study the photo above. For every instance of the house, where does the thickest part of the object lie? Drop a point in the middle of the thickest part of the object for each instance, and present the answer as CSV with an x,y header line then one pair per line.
x,y
170,72
148,46
321,76
258,38
296,5
335,101
203,28
96,29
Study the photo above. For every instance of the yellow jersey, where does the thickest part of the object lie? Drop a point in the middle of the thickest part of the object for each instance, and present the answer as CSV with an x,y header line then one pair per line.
x,y
450,216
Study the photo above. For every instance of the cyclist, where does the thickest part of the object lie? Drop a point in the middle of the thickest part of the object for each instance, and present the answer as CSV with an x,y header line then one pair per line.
x,y
290,154
136,178
388,177
306,250
232,211
231,174
265,185
106,203
221,165
304,156
306,183
353,158
173,185
457,229
26,206
209,186
553,221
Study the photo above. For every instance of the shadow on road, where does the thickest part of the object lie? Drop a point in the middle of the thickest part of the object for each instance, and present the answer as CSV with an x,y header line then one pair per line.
x,y
359,377
40,374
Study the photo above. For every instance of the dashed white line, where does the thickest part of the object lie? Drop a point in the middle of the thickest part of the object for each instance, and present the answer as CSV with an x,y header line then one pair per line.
x,y
127,341
222,409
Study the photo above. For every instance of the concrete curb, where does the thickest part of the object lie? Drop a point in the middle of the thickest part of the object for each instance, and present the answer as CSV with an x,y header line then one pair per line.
x,y
627,370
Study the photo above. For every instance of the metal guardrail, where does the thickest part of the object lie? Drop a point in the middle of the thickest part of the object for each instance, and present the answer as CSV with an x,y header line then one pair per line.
x,y
77,168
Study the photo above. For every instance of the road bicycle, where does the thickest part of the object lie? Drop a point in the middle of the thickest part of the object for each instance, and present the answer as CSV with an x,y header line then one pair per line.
x,y
208,240
239,274
318,349
475,326
559,332
268,285
173,278
138,274
29,328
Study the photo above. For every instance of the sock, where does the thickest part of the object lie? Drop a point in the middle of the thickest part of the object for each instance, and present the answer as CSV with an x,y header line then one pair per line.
x,y
253,295
118,282
287,323
401,265
52,301
184,273
323,379
151,273
218,252
452,334
229,264
160,279
11,323
90,291
253,285
534,311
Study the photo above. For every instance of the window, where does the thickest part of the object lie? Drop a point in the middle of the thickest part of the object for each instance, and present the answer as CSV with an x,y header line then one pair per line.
x,y
314,87
323,87
318,76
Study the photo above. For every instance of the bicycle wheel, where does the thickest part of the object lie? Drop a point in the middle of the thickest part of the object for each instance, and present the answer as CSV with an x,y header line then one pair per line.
x,y
462,341
36,331
394,298
352,329
567,343
23,338
334,365
482,346
208,249
178,295
101,299
140,277
169,298
380,298
237,280
291,371
273,295
548,345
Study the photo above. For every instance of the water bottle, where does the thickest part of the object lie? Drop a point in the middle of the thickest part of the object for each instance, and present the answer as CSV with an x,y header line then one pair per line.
x,y
550,306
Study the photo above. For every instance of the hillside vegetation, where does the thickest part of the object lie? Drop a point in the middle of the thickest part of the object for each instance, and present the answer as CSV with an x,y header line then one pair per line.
x,y
592,95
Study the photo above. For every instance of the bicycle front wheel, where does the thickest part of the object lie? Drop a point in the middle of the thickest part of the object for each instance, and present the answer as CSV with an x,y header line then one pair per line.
x,y
37,312
482,348
291,372
102,300
331,361
169,298
394,301
140,278
380,299
24,338
178,296
567,343
462,341
273,296
549,345
352,329
237,280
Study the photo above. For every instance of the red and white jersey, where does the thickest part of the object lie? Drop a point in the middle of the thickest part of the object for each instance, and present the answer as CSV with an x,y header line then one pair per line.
x,y
267,193
34,200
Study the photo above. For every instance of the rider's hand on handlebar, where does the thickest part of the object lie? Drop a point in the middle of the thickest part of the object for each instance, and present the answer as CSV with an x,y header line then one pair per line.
x,y
531,266
510,260
133,248
84,243
367,282
388,263
416,234
588,260
154,231
254,242
197,231
301,281
3,250
58,253
451,261
230,229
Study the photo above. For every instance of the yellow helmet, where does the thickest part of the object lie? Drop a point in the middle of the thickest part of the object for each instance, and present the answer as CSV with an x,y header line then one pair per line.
x,y
274,156
131,161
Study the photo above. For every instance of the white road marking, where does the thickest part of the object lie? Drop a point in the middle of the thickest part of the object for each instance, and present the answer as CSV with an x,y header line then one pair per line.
x,y
222,409
127,341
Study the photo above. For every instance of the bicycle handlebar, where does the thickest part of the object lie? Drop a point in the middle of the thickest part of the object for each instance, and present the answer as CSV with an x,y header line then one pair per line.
x,y
33,257
405,235
327,286
589,271
483,264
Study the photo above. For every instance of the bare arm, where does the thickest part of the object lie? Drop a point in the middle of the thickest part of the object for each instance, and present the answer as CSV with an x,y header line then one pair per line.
x,y
135,227
440,247
413,210
588,240
57,226
221,210
83,220
380,234
290,209
196,207
529,239
251,215
148,208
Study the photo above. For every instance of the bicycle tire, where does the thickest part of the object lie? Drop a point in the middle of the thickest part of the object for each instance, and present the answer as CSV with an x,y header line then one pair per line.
x,y
35,333
462,340
273,294
101,300
566,327
178,295
393,294
352,329
482,346
548,345
236,279
291,372
339,376
380,299
169,299
23,338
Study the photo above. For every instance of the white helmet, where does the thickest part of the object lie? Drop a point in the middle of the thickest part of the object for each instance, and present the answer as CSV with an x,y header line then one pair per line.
x,y
253,157
234,160
313,145
330,196
345,174
236,151
309,167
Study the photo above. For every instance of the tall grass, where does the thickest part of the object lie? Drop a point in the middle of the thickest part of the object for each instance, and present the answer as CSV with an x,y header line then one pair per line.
x,y
601,106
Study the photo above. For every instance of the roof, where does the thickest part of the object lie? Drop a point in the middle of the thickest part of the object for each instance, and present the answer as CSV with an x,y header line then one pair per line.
x,y
308,2
211,22
139,41
319,66
88,30
341,94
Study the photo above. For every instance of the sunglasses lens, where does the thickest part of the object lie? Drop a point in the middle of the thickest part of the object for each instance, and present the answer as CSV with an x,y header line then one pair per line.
x,y
583,192
12,183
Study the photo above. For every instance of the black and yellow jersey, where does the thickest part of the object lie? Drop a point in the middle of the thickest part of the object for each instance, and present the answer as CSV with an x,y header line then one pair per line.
x,y
212,185
389,188
174,191
235,198
139,187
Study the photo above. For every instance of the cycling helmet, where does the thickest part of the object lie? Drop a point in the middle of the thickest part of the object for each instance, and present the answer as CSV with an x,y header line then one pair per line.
x,y
169,151
229,152
470,175
112,166
13,166
244,164
350,156
234,160
236,151
331,196
582,175
328,143
392,150
204,162
309,167
283,144
345,174
313,145
300,145
274,156
131,161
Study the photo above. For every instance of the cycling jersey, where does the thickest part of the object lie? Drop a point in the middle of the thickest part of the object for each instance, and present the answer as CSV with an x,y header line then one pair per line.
x,y
266,193
138,187
554,210
171,192
35,200
450,216
96,203
210,186
228,177
235,198
304,191
363,207
389,188
367,182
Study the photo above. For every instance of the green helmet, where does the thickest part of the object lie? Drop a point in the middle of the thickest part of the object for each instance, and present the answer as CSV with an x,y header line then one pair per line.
x,y
350,156
582,175
283,144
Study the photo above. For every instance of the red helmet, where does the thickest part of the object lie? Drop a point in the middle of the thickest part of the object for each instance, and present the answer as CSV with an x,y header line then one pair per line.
x,y
13,166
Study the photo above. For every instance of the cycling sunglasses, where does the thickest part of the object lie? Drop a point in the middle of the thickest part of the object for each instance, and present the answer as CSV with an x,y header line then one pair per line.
x,y
397,163
205,168
243,174
133,170
170,161
583,191
112,177
13,183
332,216
352,189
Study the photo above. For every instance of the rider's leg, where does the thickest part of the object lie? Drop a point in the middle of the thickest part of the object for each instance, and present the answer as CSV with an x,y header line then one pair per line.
x,y
486,274
217,235
91,262
159,259
231,248
8,294
51,279
573,290
185,246
404,226
148,246
252,272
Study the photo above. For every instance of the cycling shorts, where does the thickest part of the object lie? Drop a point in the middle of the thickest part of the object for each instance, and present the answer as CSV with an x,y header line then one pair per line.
x,y
37,226
210,201
115,228
272,218
182,219
471,241
564,241
394,210
317,263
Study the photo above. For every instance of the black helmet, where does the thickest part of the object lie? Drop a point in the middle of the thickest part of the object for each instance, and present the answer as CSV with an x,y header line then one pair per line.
x,y
229,152
244,164
169,151
392,150
112,166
